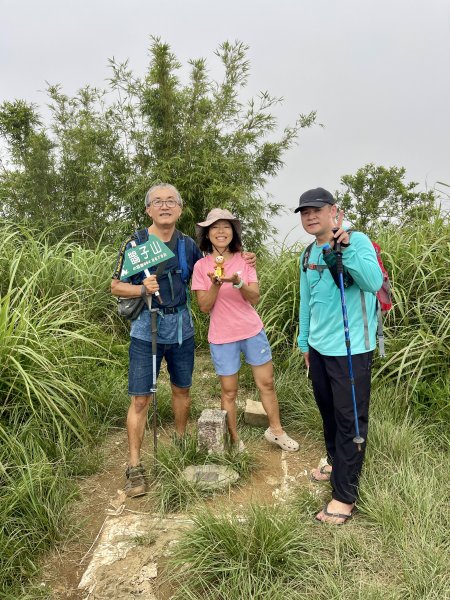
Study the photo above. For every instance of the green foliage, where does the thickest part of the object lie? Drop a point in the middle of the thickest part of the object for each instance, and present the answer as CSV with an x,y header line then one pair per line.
x,y
297,405
279,277
33,496
377,196
418,328
251,556
89,170
60,387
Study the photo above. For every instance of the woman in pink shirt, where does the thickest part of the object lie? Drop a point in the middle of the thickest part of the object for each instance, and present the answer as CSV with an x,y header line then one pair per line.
x,y
235,325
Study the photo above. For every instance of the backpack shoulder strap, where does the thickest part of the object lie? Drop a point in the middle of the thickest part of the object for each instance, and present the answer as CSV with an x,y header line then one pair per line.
x,y
141,235
182,259
306,256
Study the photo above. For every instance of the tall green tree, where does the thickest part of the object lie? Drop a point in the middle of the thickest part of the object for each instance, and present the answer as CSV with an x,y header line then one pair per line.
x,y
69,175
27,180
376,196
89,168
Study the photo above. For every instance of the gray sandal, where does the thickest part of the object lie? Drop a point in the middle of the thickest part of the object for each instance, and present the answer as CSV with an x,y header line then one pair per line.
x,y
323,472
346,517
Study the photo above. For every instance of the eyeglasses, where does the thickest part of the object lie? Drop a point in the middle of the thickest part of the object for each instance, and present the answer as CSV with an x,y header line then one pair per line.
x,y
168,203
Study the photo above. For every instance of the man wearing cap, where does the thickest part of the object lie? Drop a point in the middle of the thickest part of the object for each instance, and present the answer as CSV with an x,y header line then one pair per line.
x,y
167,288
322,341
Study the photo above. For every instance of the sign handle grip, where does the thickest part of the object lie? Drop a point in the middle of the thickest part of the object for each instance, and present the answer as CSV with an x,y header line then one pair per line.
x,y
158,297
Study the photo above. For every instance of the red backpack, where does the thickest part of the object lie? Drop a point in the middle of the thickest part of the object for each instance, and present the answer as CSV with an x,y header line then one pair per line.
x,y
384,293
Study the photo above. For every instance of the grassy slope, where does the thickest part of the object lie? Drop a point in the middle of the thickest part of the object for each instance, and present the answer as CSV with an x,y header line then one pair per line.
x,y
63,361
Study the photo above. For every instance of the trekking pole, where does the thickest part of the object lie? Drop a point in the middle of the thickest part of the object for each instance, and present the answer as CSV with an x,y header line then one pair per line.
x,y
154,326
153,313
358,440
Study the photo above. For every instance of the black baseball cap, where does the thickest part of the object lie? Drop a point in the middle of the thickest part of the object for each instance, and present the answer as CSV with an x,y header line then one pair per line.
x,y
315,198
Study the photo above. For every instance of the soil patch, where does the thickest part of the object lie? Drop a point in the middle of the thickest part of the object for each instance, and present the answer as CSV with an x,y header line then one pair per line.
x,y
122,544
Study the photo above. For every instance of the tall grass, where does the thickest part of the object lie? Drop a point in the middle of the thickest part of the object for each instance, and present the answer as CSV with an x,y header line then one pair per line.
x,y
257,555
63,366
56,376
396,546
279,304
418,330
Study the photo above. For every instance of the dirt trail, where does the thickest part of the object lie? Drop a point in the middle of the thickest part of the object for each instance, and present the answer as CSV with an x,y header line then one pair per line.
x,y
124,543
121,551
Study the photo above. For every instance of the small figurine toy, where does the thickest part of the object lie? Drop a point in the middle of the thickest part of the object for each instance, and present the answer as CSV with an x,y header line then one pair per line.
x,y
219,271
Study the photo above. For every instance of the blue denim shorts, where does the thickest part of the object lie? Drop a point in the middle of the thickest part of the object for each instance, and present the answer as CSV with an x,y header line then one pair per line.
x,y
227,357
179,359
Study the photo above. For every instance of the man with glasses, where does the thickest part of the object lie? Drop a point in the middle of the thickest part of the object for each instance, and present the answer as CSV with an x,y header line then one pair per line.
x,y
175,338
167,287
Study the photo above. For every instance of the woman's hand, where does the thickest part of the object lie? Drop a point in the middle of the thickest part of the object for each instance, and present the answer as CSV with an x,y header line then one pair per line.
x,y
235,279
215,280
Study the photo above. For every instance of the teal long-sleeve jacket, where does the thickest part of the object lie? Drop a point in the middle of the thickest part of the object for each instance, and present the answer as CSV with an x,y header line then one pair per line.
x,y
320,319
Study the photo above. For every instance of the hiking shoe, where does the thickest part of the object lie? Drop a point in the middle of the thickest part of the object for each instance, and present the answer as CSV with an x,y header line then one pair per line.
x,y
284,441
135,484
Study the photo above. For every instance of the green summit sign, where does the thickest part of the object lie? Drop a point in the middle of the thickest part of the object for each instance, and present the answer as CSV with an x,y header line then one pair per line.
x,y
142,257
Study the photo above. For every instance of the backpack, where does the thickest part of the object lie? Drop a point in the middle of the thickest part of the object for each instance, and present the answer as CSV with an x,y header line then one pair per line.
x,y
384,293
179,241
130,308
383,296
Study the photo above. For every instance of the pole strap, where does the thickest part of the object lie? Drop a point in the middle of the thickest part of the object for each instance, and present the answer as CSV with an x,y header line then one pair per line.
x,y
365,320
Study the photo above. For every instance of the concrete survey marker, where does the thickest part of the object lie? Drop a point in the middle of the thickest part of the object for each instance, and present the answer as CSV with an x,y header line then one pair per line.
x,y
212,430
212,477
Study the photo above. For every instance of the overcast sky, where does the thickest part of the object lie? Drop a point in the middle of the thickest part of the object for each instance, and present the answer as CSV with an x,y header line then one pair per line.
x,y
376,72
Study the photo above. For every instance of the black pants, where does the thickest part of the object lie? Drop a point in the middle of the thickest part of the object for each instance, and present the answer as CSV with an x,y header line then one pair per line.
x,y
333,394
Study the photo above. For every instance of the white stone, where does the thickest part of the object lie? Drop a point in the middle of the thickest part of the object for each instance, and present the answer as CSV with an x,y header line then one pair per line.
x,y
255,415
210,476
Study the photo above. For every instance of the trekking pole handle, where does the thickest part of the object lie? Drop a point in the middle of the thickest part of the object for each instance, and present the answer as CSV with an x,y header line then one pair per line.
x,y
147,274
337,245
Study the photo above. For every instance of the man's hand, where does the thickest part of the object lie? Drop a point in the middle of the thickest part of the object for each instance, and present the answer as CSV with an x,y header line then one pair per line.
x,y
341,236
306,357
250,258
151,284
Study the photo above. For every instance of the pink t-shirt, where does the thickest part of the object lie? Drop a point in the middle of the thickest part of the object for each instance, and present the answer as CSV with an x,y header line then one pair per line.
x,y
232,318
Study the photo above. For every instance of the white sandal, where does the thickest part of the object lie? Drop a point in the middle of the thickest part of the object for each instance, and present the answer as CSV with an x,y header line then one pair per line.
x,y
284,441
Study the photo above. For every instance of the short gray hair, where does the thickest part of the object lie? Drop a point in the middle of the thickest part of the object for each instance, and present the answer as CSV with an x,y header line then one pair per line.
x,y
157,187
